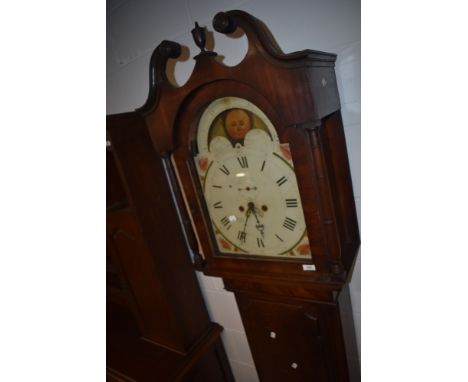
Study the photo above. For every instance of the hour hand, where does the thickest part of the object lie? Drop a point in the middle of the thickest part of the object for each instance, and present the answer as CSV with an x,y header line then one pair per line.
x,y
259,226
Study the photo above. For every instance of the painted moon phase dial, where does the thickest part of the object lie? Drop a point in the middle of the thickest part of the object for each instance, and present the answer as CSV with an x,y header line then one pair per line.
x,y
249,184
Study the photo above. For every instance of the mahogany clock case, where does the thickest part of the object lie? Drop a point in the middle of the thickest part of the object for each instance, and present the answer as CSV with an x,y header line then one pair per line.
x,y
298,93
303,300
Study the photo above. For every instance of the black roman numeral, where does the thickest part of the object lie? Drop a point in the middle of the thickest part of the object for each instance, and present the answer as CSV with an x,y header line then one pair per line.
x,y
291,202
263,166
260,243
242,236
226,222
215,186
225,170
281,181
218,205
243,162
289,224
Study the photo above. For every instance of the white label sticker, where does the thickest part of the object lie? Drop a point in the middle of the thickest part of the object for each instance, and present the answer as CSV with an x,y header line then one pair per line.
x,y
308,267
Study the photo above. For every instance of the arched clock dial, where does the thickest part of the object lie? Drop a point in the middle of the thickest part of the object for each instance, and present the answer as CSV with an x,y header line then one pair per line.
x,y
249,184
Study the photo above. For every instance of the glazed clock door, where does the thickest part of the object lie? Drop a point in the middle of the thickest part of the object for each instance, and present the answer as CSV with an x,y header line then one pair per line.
x,y
248,182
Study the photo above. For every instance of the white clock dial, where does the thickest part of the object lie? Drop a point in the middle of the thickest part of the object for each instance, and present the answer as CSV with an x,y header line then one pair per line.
x,y
249,184
254,202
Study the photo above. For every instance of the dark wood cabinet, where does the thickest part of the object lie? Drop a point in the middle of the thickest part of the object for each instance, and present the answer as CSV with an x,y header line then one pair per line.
x,y
284,237
158,328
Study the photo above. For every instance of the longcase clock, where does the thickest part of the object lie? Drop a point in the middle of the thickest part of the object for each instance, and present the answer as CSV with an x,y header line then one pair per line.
x,y
256,159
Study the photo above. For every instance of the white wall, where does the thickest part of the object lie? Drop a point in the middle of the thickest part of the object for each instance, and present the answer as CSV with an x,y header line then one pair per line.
x,y
135,28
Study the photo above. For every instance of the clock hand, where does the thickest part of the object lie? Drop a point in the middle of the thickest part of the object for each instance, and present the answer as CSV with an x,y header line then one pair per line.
x,y
260,227
247,219
247,214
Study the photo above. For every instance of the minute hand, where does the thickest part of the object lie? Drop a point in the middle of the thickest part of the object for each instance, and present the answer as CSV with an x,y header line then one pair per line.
x,y
247,214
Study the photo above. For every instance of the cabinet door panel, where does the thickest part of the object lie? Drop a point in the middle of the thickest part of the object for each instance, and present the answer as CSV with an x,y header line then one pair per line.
x,y
155,313
285,340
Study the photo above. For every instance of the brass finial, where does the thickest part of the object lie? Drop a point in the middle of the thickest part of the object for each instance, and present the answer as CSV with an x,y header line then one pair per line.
x,y
199,36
